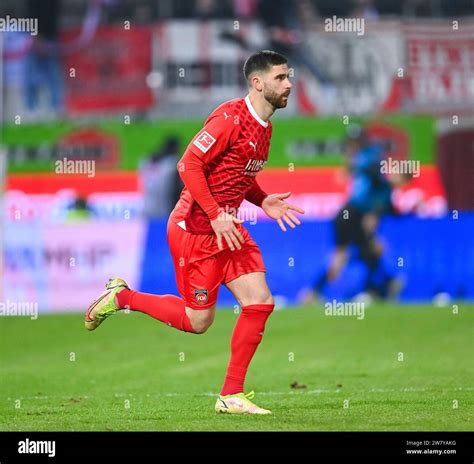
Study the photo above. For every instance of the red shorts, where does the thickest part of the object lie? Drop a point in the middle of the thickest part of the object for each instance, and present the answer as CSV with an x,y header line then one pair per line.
x,y
201,268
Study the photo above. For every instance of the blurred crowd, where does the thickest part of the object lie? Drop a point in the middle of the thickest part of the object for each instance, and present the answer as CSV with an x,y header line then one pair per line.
x,y
35,63
152,10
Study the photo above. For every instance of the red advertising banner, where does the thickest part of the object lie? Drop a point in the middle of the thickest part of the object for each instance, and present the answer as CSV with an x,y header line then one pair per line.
x,y
320,191
440,65
110,74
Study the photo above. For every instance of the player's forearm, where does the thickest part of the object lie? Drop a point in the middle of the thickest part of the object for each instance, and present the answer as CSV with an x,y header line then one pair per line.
x,y
256,195
191,171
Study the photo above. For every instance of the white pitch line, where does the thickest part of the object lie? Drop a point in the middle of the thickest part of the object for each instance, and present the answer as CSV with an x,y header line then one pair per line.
x,y
301,391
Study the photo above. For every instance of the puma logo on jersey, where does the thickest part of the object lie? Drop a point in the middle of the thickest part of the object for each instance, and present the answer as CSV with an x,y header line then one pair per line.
x,y
253,167
204,141
253,145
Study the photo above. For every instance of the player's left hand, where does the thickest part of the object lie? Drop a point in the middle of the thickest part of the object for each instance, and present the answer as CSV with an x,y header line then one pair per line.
x,y
277,208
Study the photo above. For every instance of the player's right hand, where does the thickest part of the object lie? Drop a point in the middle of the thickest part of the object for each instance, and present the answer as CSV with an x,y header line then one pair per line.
x,y
224,227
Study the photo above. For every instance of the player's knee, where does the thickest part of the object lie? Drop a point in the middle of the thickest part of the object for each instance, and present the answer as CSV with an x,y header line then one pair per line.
x,y
261,297
200,327
201,320
268,299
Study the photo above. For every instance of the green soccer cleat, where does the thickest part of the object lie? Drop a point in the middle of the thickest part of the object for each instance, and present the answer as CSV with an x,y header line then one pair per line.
x,y
105,305
238,403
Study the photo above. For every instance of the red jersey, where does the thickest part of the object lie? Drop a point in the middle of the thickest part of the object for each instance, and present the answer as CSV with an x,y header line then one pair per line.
x,y
233,146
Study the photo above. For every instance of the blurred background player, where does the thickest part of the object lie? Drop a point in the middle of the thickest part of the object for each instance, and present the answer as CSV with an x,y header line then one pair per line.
x,y
160,182
79,211
208,243
356,223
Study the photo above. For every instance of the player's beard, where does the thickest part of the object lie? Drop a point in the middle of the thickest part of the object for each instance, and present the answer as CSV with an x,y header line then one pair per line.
x,y
276,100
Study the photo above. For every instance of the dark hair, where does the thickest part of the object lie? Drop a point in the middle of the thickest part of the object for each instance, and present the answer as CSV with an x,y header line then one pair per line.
x,y
170,147
261,61
80,203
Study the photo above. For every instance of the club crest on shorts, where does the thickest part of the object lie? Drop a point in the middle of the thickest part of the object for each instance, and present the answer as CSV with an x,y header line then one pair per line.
x,y
200,296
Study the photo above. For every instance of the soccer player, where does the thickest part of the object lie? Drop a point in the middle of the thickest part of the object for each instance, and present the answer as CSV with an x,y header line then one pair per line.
x,y
356,223
208,243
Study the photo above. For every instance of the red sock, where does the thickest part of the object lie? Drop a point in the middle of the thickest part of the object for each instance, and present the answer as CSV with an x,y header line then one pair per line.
x,y
246,337
166,308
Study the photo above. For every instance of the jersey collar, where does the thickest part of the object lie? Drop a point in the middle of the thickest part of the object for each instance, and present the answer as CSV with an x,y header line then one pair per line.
x,y
254,113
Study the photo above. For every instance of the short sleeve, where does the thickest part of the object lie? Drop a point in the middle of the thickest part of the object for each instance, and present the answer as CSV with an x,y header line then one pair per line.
x,y
219,132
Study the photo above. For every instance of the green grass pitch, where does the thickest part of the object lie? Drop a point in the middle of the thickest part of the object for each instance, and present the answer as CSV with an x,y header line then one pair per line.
x,y
399,368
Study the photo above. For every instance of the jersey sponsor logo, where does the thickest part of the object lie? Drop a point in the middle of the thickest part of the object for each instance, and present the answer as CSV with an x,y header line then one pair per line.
x,y
200,295
204,141
253,167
